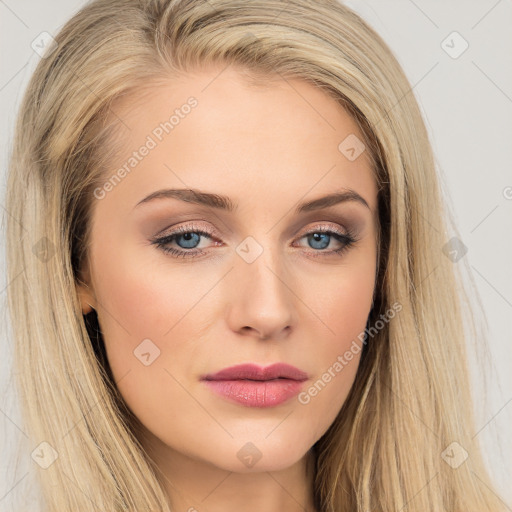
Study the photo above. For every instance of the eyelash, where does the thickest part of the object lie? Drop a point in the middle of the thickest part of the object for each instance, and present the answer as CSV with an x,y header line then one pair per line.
x,y
348,239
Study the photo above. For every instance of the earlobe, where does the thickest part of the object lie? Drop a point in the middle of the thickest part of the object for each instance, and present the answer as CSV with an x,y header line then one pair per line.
x,y
86,297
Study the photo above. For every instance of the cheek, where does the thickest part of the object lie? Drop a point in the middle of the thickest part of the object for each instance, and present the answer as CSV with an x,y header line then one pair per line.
x,y
343,310
143,299
342,297
152,320
150,317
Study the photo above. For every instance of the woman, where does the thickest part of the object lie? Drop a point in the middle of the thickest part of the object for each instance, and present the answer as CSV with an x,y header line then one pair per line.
x,y
234,291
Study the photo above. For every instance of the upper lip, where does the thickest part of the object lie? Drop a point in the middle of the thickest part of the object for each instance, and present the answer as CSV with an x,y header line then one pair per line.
x,y
255,372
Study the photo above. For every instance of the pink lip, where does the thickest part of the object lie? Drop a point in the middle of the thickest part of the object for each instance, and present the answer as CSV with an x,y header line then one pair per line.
x,y
254,386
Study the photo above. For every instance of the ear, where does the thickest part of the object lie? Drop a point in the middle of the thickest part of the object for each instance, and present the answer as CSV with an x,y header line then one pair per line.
x,y
85,295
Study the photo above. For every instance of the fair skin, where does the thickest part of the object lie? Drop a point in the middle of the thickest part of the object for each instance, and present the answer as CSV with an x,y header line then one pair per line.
x,y
267,149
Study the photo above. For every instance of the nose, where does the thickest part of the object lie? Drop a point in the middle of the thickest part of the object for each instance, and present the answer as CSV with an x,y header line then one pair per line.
x,y
261,299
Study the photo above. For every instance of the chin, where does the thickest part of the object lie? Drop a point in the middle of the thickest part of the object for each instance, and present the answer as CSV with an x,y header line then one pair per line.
x,y
257,457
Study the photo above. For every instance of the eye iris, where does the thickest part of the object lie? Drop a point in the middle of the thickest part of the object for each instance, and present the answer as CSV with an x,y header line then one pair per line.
x,y
318,236
191,238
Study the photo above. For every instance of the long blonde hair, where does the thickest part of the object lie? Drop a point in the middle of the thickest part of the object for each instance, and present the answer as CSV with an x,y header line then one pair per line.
x,y
410,401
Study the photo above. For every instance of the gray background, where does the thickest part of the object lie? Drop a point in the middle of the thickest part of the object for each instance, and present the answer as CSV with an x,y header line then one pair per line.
x,y
467,104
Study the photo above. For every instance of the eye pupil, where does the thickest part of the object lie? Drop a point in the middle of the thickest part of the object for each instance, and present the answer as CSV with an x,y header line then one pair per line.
x,y
317,237
189,236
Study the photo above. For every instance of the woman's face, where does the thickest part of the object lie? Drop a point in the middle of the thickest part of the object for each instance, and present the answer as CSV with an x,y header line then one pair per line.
x,y
250,278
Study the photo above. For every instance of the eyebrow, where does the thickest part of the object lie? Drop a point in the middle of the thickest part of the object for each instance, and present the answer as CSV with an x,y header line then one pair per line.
x,y
220,202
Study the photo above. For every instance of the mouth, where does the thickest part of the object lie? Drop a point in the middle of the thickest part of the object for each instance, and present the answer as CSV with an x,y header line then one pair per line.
x,y
257,373
253,386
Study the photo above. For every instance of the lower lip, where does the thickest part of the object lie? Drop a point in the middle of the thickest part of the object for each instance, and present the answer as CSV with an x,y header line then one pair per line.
x,y
252,393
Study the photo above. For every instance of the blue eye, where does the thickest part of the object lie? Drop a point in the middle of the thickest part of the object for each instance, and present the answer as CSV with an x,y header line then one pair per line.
x,y
187,238
191,239
321,237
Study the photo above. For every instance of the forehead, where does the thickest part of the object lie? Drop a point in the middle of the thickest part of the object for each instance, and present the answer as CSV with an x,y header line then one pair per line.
x,y
284,135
